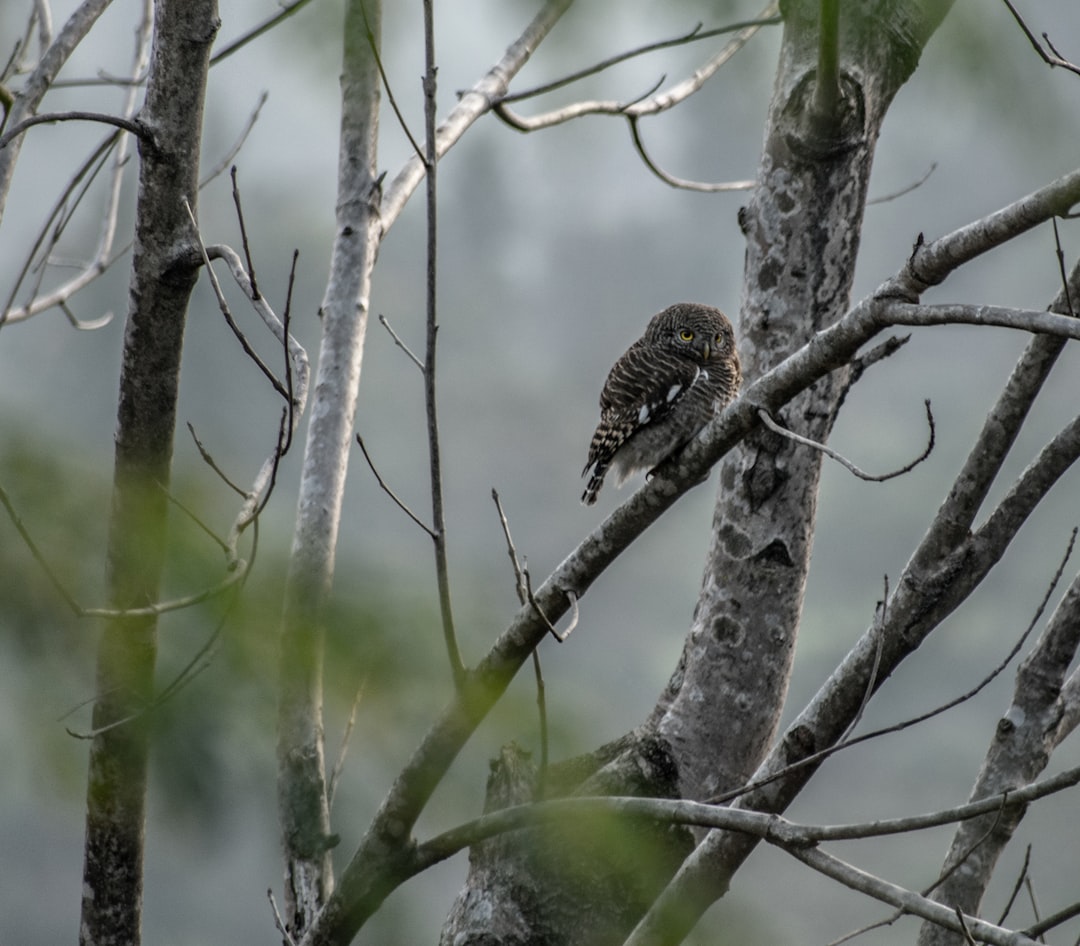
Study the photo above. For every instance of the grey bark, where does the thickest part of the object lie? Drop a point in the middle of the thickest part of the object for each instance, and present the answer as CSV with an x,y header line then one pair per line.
x,y
718,715
303,805
948,565
164,270
1023,741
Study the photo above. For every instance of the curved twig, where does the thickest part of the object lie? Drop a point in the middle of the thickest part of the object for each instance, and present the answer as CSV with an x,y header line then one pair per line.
x,y
639,146
843,461
653,104
136,128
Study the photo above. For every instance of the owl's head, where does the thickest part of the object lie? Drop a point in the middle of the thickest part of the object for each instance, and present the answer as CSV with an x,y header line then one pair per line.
x,y
694,331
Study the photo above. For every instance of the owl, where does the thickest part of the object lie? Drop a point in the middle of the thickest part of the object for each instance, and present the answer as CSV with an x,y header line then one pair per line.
x,y
661,392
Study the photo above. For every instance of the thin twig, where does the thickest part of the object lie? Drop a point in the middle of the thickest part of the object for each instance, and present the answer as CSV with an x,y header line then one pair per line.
x,y
229,156
968,938
522,589
693,36
438,516
385,322
244,244
1060,254
389,492
1055,919
208,459
535,605
652,105
389,89
279,923
681,183
1053,58
1034,901
173,604
519,577
127,124
871,683
227,312
823,754
190,513
885,198
103,257
1016,887
240,42
24,533
343,749
199,662
847,464
541,708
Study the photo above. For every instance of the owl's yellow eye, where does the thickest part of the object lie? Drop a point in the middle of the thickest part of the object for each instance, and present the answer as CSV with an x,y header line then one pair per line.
x,y
686,335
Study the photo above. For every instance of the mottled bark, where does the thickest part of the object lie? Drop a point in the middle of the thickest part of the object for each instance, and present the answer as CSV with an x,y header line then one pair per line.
x,y
164,270
718,716
1023,741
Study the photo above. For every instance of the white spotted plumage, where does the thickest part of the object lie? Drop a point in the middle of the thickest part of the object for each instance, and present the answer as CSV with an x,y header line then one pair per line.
x,y
661,392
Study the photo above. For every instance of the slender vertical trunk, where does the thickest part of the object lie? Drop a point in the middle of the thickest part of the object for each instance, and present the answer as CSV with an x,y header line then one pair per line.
x,y
302,800
164,271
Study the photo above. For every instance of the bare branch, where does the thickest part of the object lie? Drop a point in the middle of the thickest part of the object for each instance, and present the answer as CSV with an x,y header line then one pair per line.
x,y
679,182
520,586
227,313
385,322
907,900
286,10
438,516
471,105
847,464
39,82
1016,887
535,605
103,256
279,923
1055,919
1052,58
343,750
653,104
389,492
226,160
126,124
885,198
768,17
776,830
43,563
370,873
245,245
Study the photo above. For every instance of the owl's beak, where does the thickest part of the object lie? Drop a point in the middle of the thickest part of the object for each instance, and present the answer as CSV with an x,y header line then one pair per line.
x,y
706,352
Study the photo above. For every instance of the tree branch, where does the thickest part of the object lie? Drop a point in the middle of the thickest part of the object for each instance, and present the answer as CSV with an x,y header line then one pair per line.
x,y
471,105
378,864
438,516
39,82
652,104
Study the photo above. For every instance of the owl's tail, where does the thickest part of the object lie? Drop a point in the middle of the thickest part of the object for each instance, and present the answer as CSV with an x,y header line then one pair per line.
x,y
592,490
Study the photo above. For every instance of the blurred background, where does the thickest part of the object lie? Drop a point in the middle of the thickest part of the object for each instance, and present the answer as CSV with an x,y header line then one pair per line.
x,y
555,249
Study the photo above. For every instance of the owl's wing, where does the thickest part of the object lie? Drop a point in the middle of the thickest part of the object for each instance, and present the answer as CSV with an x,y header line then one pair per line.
x,y
643,387
647,383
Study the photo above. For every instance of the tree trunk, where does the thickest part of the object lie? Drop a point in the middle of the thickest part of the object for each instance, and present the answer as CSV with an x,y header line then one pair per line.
x,y
164,270
717,718
303,805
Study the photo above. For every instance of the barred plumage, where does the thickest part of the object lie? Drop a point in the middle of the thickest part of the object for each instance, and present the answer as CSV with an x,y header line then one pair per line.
x,y
662,391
